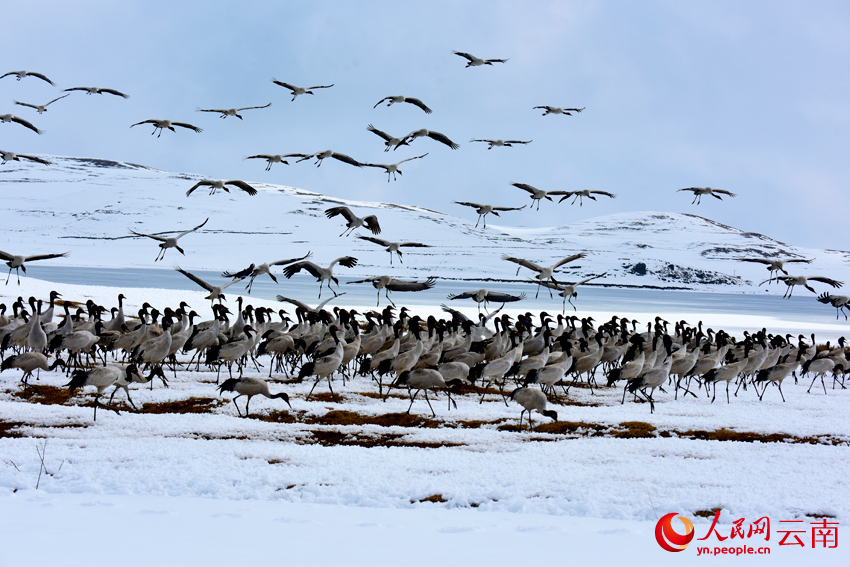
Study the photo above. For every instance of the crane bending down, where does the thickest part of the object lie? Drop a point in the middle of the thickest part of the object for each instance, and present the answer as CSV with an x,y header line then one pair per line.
x,y
353,221
585,193
473,61
253,271
167,124
392,246
389,284
249,386
484,210
216,292
399,98
543,273
225,112
296,91
700,191
171,242
216,184
559,110
17,262
392,169
41,108
320,273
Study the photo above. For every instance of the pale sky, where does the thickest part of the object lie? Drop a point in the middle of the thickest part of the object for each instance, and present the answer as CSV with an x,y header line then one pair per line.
x,y
752,97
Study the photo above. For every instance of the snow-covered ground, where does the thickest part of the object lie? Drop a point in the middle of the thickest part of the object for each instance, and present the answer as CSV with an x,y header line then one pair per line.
x,y
356,480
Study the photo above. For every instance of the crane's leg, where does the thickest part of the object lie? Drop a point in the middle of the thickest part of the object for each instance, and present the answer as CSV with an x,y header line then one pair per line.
x,y
433,413
412,397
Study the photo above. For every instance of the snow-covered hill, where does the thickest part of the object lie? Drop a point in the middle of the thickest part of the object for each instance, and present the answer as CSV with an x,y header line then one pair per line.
x,y
86,206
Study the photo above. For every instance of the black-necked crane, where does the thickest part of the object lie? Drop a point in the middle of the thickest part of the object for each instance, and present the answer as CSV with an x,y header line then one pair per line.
x,y
40,108
353,221
392,246
473,61
544,273
484,210
253,270
7,118
17,262
388,284
653,379
532,399
585,193
568,291
296,91
102,377
215,184
216,292
389,141
400,98
12,156
29,362
791,281
437,136
325,154
325,363
272,159
98,90
392,169
320,273
558,110
537,194
819,365
501,143
774,375
840,302
700,191
425,379
169,242
225,112
21,74
250,386
775,265
167,124
485,296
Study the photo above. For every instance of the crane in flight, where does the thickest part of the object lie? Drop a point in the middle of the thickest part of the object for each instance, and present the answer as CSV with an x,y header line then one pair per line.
x,y
97,90
544,273
169,242
484,210
389,284
296,91
700,191
225,112
18,262
473,61
392,169
501,143
392,246
41,108
222,184
585,193
167,124
253,270
320,273
21,74
353,221
559,110
408,99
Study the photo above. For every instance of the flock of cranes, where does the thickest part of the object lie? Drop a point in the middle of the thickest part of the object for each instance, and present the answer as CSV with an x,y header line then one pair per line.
x,y
437,354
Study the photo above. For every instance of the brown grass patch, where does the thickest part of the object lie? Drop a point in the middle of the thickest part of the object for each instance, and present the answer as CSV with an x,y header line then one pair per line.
x,y
10,429
47,395
190,405
328,438
436,498
706,513
341,417
328,398
279,417
635,430
724,434
572,427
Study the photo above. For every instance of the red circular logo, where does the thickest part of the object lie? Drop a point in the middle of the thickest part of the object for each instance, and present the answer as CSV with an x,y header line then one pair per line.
x,y
668,538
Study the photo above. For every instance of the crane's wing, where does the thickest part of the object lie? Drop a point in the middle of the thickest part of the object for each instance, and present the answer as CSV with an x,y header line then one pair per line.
x,y
28,104
606,193
344,211
253,107
757,260
525,187
198,184
464,295
442,138
497,60
378,241
295,302
410,158
291,260
194,278
307,266
347,261
465,55
34,158
799,260
40,76
414,245
518,141
26,124
221,110
285,85
187,126
371,223
380,133
523,262
346,159
828,281
401,285
320,87
160,238
65,254
185,232
151,121
5,255
569,259
367,280
114,92
454,312
417,102
498,297
240,275
509,208
380,101
469,204
691,189
585,280
724,192
57,98
242,185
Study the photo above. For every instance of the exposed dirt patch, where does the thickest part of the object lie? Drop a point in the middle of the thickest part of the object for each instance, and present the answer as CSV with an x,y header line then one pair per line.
x,y
328,398
190,405
330,438
432,498
724,434
635,430
706,513
47,395
340,417
280,417
11,429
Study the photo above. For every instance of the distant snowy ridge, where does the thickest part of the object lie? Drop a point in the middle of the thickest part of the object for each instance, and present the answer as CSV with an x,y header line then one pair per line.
x,y
86,206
